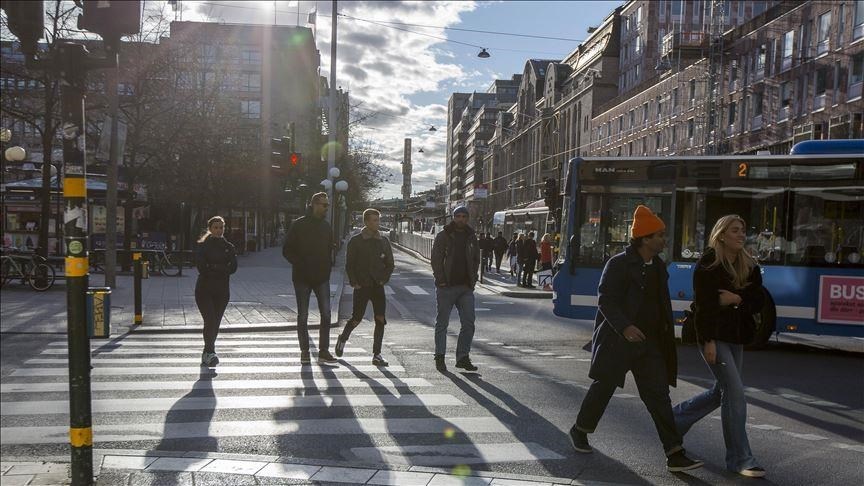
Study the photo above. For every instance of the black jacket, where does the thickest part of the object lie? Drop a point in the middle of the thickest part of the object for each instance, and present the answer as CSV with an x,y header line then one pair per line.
x,y
485,244
216,259
529,252
499,244
308,246
370,259
723,322
442,249
619,298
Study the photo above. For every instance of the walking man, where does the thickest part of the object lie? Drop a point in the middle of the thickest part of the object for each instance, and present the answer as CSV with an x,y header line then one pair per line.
x,y
633,332
513,254
455,261
529,261
485,243
369,266
499,246
308,246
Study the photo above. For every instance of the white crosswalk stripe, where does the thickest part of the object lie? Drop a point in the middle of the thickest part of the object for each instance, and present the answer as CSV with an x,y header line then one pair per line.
x,y
153,388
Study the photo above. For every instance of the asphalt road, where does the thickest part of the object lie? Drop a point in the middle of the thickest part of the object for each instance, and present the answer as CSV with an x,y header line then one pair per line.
x,y
806,406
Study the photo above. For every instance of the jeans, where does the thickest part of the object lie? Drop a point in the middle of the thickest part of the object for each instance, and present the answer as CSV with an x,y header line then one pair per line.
x,y
649,371
362,296
728,394
211,297
322,293
462,296
528,273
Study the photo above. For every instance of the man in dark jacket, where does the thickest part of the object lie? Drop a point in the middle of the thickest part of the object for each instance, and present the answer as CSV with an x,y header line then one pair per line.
x,y
485,243
633,332
529,261
308,246
368,267
499,246
455,261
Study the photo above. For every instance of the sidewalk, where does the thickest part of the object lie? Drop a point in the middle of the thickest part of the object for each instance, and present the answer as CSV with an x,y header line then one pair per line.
x,y
262,298
502,284
121,466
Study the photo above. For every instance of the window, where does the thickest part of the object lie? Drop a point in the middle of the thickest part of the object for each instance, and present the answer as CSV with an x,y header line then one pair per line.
x,y
676,8
819,88
675,101
638,44
733,109
760,61
697,13
645,113
657,141
757,104
824,28
250,109
733,75
856,76
835,93
758,7
841,20
605,224
826,225
788,43
636,73
250,56
632,119
785,101
250,82
691,128
858,24
639,15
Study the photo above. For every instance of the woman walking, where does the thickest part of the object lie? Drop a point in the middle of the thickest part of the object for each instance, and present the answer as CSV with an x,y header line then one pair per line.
x,y
216,260
727,286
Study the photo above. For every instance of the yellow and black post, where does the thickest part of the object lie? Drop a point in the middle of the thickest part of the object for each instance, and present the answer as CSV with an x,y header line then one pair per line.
x,y
71,64
138,265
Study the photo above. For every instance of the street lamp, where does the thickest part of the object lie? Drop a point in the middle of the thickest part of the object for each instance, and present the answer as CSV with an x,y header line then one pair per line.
x,y
15,154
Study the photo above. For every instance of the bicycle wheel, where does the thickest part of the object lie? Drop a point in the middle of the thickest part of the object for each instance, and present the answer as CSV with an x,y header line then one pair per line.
x,y
168,267
41,277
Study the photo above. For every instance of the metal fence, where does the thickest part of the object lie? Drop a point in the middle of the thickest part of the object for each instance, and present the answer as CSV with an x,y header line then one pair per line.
x,y
418,243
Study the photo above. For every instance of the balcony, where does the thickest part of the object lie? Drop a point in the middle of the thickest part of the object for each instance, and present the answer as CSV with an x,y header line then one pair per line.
x,y
684,41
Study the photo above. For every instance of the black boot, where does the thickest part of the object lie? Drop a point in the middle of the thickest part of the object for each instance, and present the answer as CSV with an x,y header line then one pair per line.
x,y
440,365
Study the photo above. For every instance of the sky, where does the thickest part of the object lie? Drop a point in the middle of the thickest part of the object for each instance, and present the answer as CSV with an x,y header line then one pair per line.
x,y
403,80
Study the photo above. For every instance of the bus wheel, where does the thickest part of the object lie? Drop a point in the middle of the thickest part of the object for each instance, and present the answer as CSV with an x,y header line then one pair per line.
x,y
765,323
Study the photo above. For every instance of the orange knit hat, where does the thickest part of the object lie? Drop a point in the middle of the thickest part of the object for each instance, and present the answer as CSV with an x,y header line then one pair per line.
x,y
645,222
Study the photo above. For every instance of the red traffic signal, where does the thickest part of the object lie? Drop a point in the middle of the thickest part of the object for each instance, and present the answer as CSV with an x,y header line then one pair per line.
x,y
294,159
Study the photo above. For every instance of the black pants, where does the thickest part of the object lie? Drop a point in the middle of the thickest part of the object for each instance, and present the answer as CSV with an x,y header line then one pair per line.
x,y
649,371
528,273
362,296
498,258
211,296
486,256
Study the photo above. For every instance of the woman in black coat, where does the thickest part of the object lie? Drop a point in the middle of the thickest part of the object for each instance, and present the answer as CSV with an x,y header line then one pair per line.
x,y
727,288
217,261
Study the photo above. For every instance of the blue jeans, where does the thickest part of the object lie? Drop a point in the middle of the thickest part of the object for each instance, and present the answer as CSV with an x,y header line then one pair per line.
x,y
322,294
462,296
728,394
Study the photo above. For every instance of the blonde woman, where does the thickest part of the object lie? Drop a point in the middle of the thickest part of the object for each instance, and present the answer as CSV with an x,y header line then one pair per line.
x,y
727,287
216,261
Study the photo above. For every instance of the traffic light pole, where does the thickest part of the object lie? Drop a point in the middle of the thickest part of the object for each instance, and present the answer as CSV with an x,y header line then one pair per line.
x,y
71,65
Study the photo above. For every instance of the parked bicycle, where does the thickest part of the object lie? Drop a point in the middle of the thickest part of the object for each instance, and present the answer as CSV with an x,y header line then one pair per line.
x,y
31,269
163,263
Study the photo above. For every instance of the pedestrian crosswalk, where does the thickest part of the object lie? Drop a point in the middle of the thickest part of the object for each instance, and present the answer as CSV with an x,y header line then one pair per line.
x,y
150,392
415,290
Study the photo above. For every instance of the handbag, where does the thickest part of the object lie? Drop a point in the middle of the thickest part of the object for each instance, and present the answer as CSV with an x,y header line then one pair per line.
x,y
688,325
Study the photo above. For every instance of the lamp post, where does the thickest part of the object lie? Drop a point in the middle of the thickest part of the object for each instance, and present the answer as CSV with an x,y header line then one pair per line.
x,y
12,154
336,188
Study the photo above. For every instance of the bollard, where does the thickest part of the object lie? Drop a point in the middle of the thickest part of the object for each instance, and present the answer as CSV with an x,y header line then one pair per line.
x,y
139,274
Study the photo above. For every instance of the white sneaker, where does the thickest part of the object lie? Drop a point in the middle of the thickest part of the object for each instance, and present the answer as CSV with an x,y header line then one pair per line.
x,y
753,472
209,359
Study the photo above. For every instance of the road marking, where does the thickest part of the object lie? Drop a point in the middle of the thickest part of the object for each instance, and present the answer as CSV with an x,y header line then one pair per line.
x,y
320,384
416,290
221,351
624,395
196,370
851,447
566,357
231,402
482,309
810,437
546,354
766,427
495,344
194,344
126,432
388,290
455,454
99,361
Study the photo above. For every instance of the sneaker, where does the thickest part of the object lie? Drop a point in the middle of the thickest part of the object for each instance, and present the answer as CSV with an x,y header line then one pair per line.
x,y
305,358
679,462
340,346
209,359
465,364
377,360
753,472
440,365
324,357
579,440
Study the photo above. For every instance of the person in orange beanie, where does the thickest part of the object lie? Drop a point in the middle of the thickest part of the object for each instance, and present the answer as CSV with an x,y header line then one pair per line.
x,y
633,332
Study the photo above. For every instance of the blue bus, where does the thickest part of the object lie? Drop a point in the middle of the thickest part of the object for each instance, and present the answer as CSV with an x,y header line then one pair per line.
x,y
805,217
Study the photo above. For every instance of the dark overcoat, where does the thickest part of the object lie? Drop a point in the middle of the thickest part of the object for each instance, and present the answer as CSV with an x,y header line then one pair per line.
x,y
620,297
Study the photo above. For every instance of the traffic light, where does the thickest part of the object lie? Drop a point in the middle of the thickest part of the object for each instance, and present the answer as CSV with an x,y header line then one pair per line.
x,y
110,18
550,193
295,160
26,20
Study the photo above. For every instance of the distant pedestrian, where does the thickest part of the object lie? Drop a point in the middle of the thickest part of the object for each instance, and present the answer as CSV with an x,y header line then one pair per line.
x,y
529,261
513,254
499,246
368,268
486,243
727,290
545,262
520,246
634,332
308,246
216,260
455,260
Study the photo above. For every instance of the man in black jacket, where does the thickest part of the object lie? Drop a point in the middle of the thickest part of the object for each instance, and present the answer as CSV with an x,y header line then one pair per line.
x,y
455,261
308,246
499,246
634,332
529,261
368,267
485,243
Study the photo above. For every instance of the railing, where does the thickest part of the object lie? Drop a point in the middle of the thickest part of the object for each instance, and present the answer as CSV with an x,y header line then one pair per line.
x,y
421,244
